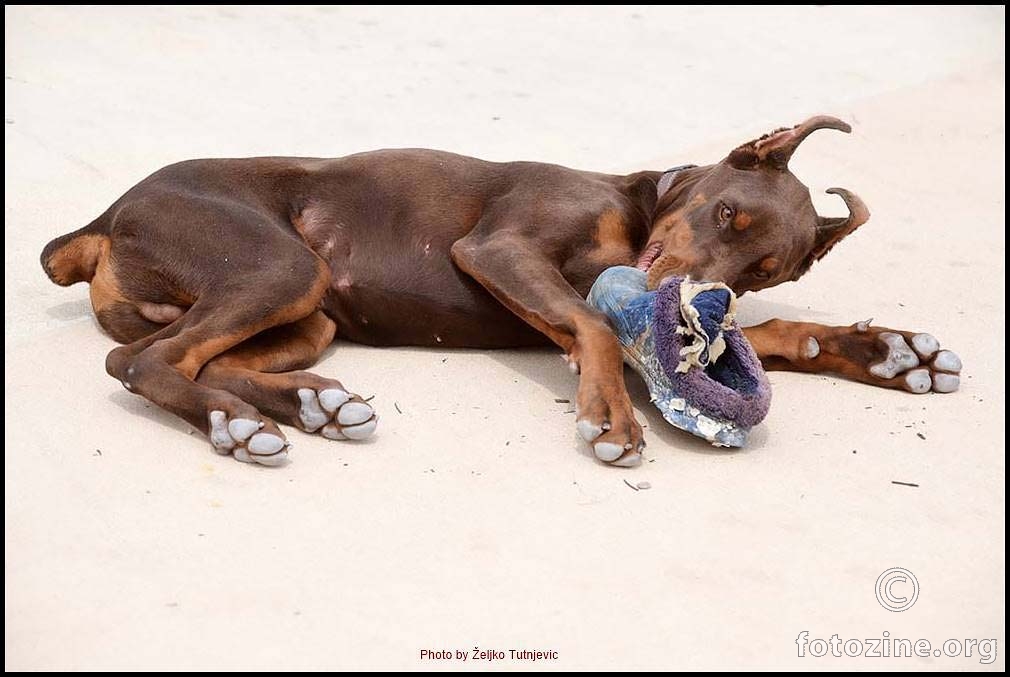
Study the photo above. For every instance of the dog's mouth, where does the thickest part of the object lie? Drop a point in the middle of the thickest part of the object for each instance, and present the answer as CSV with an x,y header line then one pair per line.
x,y
649,256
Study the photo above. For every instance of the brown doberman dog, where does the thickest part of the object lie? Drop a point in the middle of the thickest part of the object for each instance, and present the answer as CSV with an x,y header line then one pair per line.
x,y
226,278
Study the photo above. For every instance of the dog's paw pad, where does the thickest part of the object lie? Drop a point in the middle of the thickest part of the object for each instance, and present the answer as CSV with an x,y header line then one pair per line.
x,y
310,411
945,383
918,381
630,459
947,360
354,413
333,398
899,357
361,431
926,345
588,430
239,437
608,451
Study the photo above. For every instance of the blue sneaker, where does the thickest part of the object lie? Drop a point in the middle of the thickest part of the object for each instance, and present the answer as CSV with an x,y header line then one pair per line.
x,y
684,341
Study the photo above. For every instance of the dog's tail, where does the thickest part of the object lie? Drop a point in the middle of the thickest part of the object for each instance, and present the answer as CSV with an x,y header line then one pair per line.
x,y
74,257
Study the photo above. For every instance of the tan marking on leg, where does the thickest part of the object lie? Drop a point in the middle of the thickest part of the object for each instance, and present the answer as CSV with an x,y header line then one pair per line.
x,y
104,289
78,259
199,354
294,346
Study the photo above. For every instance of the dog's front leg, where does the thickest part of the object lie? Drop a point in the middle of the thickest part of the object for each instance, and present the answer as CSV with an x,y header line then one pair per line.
x,y
522,278
876,355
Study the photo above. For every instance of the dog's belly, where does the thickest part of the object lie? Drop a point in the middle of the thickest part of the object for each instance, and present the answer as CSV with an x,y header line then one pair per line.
x,y
398,300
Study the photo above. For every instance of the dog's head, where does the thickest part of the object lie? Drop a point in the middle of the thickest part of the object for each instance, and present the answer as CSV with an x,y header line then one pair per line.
x,y
747,221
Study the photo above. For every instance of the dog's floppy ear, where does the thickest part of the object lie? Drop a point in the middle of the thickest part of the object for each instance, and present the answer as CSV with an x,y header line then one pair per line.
x,y
776,148
832,230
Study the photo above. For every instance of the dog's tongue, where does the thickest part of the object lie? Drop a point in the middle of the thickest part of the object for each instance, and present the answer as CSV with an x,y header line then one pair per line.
x,y
649,256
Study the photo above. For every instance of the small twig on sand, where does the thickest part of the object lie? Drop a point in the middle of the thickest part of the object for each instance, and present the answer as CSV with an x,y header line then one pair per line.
x,y
561,400
397,405
631,485
905,484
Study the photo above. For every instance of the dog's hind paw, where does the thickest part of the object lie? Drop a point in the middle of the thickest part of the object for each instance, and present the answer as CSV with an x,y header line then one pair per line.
x,y
336,414
248,440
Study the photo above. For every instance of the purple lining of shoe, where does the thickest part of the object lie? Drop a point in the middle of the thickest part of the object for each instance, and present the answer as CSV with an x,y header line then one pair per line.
x,y
745,408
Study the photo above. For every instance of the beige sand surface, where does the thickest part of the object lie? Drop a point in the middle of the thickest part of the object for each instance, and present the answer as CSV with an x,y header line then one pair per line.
x,y
475,518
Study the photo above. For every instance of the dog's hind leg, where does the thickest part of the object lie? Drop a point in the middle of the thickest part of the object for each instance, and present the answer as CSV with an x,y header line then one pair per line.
x,y
237,292
260,371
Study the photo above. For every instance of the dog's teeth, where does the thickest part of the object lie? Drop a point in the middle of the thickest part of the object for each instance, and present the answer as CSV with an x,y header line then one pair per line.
x,y
899,357
588,430
354,413
242,428
219,437
311,414
332,399
945,383
608,451
361,432
925,345
947,360
918,381
811,348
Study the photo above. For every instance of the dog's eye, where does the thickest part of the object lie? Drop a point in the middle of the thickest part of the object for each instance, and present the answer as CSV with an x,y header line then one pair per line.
x,y
762,274
725,213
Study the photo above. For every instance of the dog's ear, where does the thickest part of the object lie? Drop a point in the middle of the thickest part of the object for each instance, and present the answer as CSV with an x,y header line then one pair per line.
x,y
775,149
832,230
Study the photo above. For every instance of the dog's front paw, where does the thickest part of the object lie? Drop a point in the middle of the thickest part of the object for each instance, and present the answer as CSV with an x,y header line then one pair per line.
x,y
248,439
904,360
606,420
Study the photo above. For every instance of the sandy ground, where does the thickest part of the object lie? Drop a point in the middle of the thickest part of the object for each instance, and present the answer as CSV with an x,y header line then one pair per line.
x,y
476,518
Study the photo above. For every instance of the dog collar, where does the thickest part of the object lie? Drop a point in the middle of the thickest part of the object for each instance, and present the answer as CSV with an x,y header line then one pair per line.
x,y
666,180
